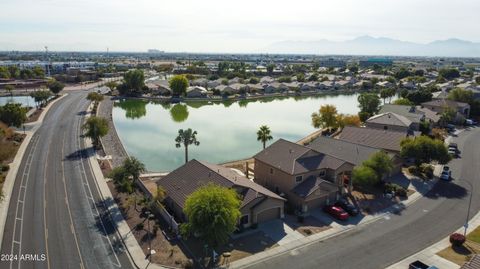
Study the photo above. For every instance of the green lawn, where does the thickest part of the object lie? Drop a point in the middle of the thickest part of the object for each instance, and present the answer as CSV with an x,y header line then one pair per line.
x,y
474,235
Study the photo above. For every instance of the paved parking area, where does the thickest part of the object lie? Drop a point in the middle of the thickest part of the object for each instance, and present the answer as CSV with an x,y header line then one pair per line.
x,y
280,232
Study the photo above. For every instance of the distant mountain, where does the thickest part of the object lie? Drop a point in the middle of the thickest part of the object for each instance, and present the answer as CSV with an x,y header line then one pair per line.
x,y
367,45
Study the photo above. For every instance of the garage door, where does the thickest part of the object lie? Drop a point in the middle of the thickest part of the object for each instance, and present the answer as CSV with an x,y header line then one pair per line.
x,y
269,214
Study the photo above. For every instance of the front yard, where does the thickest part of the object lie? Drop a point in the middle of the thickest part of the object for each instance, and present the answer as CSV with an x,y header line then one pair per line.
x,y
463,254
9,144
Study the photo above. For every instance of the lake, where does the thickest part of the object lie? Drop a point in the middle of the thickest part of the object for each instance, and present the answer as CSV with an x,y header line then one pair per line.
x,y
226,130
26,101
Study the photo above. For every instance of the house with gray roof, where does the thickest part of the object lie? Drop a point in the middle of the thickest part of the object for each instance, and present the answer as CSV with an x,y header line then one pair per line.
x,y
441,104
306,177
258,203
388,140
410,112
390,121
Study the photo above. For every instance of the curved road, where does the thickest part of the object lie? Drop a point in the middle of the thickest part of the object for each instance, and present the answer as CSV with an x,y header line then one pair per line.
x,y
384,242
56,217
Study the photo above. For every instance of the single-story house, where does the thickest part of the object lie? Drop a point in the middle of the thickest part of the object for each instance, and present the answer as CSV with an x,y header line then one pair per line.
x,y
410,112
258,203
307,178
439,105
390,121
388,140
225,90
196,92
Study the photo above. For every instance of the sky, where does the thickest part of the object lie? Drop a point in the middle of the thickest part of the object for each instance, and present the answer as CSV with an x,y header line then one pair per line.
x,y
225,26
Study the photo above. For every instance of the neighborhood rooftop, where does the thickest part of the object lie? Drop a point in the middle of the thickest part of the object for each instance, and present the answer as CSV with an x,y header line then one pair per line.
x,y
378,138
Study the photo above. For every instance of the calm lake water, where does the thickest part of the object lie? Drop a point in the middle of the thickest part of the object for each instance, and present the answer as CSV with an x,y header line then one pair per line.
x,y
226,131
26,101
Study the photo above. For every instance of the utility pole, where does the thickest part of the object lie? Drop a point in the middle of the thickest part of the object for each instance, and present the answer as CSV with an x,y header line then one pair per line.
x,y
468,210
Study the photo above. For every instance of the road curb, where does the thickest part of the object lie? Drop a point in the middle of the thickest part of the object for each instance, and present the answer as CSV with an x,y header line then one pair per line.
x,y
15,164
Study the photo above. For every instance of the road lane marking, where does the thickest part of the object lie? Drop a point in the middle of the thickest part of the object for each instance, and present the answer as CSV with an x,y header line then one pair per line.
x,y
89,194
68,205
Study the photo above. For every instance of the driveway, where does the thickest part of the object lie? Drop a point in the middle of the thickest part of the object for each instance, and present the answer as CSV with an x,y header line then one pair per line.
x,y
279,231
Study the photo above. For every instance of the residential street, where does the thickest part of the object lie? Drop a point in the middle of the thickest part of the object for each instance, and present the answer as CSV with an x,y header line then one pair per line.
x,y
55,210
377,245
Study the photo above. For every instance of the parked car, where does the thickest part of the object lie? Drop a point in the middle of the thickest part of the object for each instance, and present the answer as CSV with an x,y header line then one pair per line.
x,y
470,122
446,175
453,152
336,212
420,265
345,205
450,127
453,145
446,168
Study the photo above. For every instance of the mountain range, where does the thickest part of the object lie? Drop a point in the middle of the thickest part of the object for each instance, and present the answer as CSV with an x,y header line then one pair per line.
x,y
367,45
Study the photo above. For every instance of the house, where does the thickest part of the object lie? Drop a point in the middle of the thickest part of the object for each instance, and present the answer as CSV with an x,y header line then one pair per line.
x,y
385,84
307,178
350,152
410,112
225,90
258,203
439,105
196,92
388,140
199,82
431,116
390,121
159,87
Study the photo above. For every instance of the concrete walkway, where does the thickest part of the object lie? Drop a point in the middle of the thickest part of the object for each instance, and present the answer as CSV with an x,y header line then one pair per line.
x,y
429,255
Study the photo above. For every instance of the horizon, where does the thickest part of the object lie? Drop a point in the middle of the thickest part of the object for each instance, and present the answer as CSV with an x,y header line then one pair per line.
x,y
214,26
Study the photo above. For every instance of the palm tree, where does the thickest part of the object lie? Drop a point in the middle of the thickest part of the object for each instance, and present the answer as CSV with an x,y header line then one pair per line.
x,y
187,138
133,167
264,135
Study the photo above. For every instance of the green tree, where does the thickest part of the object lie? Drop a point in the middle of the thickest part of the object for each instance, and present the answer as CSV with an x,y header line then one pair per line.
x,y
133,167
212,212
41,97
96,127
264,135
4,73
13,114
461,95
111,85
38,72
186,138
270,68
55,86
348,120
424,127
95,97
14,71
449,73
477,79
300,77
424,150
384,93
364,175
447,116
179,85
369,105
325,118
313,77
403,101
133,83
10,89
381,163
419,96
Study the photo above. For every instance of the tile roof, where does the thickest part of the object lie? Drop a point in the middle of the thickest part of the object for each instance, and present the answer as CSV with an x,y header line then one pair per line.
x,y
188,178
474,263
377,138
390,118
445,102
293,158
350,152
409,112
429,114
313,183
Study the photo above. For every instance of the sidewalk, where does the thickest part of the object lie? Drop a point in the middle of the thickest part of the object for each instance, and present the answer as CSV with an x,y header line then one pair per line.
x,y
336,229
429,255
124,231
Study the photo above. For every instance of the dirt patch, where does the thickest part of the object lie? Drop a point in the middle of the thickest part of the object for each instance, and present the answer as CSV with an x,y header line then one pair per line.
x,y
169,251
371,199
460,255
9,144
309,226
35,115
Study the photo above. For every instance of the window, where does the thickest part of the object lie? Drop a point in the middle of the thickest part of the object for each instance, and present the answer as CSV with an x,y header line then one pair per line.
x,y
271,170
298,179
322,174
244,220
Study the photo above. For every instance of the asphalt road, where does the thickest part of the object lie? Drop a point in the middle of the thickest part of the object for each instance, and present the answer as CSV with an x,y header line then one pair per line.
x,y
56,217
387,241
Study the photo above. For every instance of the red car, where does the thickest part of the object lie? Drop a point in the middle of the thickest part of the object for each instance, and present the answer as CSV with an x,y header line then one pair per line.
x,y
336,212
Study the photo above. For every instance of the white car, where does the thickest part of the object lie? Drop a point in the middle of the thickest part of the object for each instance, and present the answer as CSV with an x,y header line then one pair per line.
x,y
446,175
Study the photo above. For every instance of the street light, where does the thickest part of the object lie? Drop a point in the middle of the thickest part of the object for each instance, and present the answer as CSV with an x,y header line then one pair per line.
x,y
149,216
468,210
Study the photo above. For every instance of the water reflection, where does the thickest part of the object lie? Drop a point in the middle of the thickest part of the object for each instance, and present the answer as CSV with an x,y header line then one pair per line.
x,y
134,109
179,113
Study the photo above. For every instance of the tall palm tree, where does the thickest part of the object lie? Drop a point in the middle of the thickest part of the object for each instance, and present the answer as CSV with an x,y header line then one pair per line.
x,y
186,138
263,135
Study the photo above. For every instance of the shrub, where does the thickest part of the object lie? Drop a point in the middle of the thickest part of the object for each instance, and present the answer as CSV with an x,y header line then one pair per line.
x,y
414,170
139,226
401,192
457,239
4,167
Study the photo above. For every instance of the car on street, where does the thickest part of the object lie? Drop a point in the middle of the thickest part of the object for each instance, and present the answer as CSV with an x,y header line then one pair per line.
x,y
453,145
446,175
453,152
446,168
470,122
336,212
348,207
